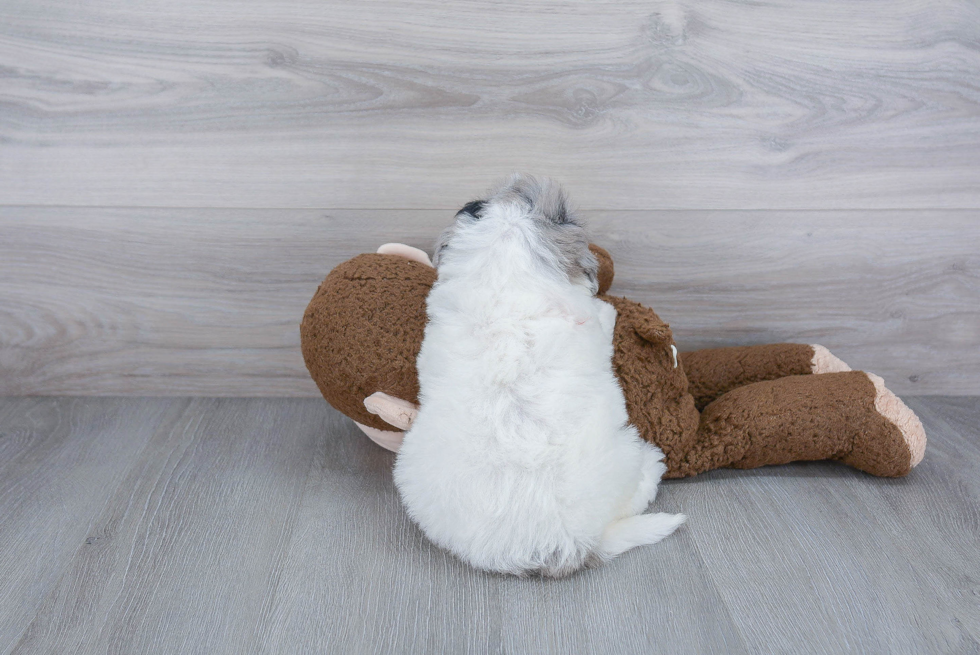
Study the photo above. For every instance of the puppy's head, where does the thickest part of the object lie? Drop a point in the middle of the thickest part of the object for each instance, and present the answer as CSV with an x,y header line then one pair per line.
x,y
534,210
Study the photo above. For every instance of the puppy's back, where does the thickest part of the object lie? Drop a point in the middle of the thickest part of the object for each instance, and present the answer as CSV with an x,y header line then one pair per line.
x,y
520,455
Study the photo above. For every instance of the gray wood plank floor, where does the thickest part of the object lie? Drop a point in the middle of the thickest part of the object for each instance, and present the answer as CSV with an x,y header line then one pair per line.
x,y
146,525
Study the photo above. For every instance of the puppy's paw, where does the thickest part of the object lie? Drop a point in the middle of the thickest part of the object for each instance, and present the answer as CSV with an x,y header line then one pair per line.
x,y
652,470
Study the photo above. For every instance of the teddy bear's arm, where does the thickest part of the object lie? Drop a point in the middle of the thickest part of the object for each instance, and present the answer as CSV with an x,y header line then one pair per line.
x,y
394,411
716,371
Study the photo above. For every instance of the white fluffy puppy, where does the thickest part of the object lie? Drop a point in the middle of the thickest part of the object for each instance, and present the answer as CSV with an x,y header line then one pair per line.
x,y
521,458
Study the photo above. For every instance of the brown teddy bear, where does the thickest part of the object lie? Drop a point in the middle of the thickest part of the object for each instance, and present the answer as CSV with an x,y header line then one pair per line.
x,y
739,407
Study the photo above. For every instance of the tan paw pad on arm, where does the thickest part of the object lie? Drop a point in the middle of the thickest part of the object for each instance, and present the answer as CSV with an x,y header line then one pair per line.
x,y
394,411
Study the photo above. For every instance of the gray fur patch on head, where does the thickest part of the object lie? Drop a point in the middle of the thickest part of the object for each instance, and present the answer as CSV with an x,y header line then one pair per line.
x,y
442,242
470,212
544,198
544,202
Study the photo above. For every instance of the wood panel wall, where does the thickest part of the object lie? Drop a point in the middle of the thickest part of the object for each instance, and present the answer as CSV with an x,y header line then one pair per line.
x,y
177,177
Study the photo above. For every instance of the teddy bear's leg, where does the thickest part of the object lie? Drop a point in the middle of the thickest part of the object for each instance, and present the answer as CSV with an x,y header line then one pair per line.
x,y
716,371
848,416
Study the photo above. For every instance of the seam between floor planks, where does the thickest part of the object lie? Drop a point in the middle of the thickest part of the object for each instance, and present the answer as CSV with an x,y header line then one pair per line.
x,y
344,530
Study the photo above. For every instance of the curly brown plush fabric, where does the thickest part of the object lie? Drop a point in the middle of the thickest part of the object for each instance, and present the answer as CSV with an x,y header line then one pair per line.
x,y
657,397
363,329
795,418
717,371
725,407
606,268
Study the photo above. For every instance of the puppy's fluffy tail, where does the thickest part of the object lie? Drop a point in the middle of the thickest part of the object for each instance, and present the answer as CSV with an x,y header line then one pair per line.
x,y
639,530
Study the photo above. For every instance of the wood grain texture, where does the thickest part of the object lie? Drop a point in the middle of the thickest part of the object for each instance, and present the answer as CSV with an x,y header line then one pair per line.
x,y
272,525
802,522
721,104
411,597
180,301
182,557
61,460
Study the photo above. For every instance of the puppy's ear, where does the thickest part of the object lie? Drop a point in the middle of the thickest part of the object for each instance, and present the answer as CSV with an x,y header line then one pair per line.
x,y
474,209
442,243
568,234
470,211
589,264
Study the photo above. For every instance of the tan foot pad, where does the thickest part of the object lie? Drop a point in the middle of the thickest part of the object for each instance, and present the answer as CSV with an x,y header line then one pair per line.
x,y
825,361
891,407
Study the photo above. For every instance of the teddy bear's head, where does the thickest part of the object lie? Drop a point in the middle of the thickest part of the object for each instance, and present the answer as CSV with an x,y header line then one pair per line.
x,y
363,329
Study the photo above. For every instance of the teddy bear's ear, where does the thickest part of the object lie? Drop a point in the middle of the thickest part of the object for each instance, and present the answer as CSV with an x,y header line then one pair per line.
x,y
408,252
653,331
606,270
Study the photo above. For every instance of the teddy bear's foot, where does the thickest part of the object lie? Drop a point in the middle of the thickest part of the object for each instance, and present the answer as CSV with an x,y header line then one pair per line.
x,y
825,361
890,440
892,408
847,416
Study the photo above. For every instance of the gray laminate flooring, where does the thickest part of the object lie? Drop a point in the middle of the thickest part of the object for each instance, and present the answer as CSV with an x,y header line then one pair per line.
x,y
271,525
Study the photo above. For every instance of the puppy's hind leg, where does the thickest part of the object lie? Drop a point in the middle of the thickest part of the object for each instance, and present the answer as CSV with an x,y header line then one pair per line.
x,y
652,469
641,530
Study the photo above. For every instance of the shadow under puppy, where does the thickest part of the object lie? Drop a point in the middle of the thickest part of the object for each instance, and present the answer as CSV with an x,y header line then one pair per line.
x,y
521,458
